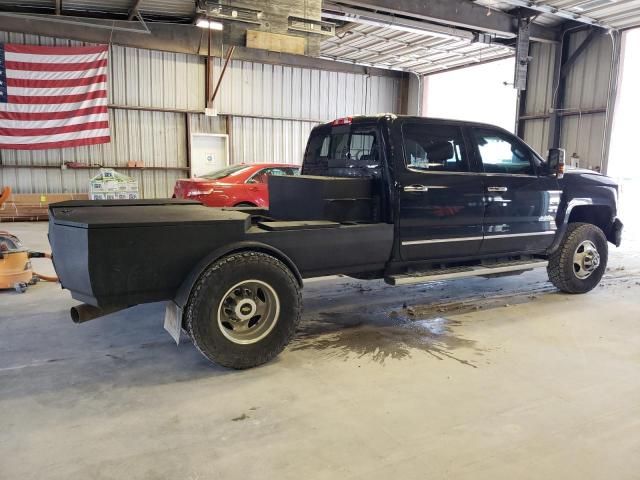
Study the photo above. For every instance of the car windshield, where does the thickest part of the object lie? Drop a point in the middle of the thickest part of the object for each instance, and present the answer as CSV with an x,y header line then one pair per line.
x,y
225,172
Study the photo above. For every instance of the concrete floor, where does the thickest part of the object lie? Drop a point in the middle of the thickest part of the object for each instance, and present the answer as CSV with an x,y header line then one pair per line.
x,y
478,378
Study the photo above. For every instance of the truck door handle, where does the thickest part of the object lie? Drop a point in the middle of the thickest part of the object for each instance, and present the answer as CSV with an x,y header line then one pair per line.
x,y
416,188
497,189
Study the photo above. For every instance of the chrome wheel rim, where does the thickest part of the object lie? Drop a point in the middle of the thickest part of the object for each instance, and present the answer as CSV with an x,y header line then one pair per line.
x,y
586,259
248,312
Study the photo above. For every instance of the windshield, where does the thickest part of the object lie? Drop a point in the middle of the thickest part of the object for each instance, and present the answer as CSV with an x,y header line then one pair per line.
x,y
225,172
342,152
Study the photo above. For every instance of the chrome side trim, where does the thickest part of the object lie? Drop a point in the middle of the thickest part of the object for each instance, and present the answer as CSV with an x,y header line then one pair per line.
x,y
468,239
510,235
444,172
441,240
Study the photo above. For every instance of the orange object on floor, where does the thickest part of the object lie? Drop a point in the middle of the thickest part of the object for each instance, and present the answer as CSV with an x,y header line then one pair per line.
x,y
6,193
15,267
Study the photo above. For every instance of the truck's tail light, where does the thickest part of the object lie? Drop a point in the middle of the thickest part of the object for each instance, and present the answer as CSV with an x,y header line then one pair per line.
x,y
342,121
199,192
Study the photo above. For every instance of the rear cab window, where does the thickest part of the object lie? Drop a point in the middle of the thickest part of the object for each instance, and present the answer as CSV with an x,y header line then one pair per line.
x,y
343,151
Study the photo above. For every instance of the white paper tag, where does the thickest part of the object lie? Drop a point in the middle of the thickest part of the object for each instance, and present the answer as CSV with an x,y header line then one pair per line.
x,y
173,321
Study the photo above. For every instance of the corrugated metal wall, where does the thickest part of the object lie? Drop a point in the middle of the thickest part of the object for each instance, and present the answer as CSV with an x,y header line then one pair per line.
x,y
148,78
274,107
157,138
268,140
583,131
137,78
278,91
272,110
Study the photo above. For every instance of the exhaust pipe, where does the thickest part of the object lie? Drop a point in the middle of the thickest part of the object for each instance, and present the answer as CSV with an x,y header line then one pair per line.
x,y
83,313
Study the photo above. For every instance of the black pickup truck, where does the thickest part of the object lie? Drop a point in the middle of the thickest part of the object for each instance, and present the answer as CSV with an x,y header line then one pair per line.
x,y
402,198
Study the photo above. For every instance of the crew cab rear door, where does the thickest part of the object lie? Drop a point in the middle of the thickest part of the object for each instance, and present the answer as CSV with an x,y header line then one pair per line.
x,y
440,195
520,200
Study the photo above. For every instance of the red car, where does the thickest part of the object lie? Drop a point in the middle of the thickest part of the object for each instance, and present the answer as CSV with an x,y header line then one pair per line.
x,y
236,186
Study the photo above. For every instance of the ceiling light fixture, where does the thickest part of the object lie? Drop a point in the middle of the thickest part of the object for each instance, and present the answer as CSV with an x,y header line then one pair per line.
x,y
211,24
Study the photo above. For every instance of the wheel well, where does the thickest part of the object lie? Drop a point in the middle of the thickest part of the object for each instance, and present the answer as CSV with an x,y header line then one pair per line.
x,y
182,294
598,215
245,204
275,254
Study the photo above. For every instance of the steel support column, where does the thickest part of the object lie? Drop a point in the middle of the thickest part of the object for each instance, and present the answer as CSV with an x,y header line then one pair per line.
x,y
557,97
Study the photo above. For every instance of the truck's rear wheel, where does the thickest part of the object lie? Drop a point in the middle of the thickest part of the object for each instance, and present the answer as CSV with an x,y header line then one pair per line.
x,y
244,310
579,263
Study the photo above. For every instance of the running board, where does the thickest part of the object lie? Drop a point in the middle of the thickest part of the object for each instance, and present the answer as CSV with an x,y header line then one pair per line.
x,y
462,272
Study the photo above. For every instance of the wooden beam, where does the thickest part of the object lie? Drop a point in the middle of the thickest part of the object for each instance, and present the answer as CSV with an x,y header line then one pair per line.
x,y
275,42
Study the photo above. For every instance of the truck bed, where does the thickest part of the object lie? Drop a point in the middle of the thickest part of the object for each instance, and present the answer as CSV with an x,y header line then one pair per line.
x,y
120,253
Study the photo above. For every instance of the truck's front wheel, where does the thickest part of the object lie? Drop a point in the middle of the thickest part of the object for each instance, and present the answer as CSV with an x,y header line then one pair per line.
x,y
244,310
579,263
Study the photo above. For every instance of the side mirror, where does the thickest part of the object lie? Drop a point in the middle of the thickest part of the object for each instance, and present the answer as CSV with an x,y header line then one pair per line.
x,y
555,160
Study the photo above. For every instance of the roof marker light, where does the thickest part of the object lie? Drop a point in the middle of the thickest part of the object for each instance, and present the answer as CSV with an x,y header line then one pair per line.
x,y
342,121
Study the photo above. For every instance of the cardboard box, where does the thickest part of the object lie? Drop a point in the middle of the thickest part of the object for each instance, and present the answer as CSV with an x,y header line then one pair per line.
x,y
112,185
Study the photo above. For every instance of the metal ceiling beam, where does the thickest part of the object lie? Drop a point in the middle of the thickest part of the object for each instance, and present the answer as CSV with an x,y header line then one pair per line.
x,y
133,11
458,13
333,11
558,12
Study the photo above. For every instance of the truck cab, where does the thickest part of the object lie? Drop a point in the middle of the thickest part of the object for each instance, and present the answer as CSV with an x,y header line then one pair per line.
x,y
460,191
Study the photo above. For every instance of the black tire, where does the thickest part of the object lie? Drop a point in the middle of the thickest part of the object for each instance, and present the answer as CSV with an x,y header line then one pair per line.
x,y
245,204
561,269
202,310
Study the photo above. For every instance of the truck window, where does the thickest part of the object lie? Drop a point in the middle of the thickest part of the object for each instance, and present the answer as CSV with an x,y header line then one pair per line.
x,y
343,152
501,154
434,148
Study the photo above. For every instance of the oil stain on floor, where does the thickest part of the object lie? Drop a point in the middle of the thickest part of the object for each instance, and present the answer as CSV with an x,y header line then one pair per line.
x,y
383,336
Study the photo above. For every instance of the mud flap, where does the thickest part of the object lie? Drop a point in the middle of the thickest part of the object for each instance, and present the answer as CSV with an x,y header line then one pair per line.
x,y
173,320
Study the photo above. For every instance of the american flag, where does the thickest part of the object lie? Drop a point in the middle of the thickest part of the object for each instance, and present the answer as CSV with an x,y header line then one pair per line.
x,y
53,97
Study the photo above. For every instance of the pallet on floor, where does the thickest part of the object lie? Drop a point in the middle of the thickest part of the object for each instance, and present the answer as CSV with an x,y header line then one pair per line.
x,y
32,207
